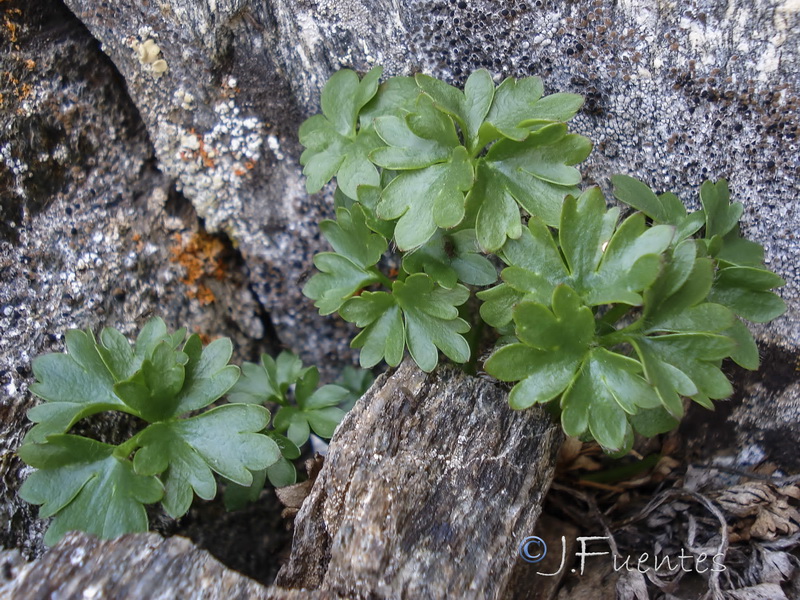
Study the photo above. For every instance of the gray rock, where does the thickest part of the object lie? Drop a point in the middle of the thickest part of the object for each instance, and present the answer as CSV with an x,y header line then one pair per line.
x,y
430,485
134,566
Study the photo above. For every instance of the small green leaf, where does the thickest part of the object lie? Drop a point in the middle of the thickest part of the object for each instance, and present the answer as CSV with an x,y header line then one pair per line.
x,y
608,390
383,336
746,352
208,376
86,488
468,108
356,382
238,496
496,212
513,103
74,385
721,217
582,241
225,440
450,258
538,172
427,198
552,346
654,421
327,395
702,317
152,391
334,146
498,304
666,209
397,96
254,386
431,320
421,139
745,290
349,269
739,251
281,474
631,262
351,237
344,95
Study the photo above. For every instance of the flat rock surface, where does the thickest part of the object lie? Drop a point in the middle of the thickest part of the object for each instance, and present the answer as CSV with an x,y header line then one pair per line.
x,y
431,484
134,566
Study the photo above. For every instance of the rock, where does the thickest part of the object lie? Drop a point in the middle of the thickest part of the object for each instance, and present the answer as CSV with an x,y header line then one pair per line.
x,y
134,566
430,485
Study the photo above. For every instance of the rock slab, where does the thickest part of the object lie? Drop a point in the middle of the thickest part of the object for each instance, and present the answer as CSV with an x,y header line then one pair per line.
x,y
134,566
431,483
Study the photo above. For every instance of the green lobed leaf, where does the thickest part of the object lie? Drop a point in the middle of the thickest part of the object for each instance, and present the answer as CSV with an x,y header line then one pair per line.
x,y
73,385
254,386
450,258
536,173
685,364
152,391
417,314
513,104
720,216
746,352
334,145
468,108
551,347
225,440
349,269
603,265
208,376
397,96
420,139
654,421
85,487
383,337
431,320
427,199
267,381
666,209
745,290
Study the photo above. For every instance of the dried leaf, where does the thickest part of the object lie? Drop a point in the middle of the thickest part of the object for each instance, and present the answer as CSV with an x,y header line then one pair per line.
x,y
632,586
765,509
764,591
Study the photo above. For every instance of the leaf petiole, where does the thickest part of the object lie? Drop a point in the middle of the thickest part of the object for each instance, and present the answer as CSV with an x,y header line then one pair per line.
x,y
124,450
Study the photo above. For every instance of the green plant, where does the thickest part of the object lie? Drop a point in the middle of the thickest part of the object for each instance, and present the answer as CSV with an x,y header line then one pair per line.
x,y
303,407
610,324
168,382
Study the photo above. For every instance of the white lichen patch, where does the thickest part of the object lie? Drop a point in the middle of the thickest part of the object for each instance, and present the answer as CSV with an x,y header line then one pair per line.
x,y
149,55
17,168
212,165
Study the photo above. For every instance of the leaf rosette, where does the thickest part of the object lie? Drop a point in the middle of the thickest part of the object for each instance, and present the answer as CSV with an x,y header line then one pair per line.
x,y
171,459
615,323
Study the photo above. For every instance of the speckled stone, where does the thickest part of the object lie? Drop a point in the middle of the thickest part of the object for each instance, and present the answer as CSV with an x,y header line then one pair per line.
x,y
81,567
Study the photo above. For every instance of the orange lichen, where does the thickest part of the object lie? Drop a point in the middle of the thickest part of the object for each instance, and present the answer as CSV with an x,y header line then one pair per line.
x,y
201,257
